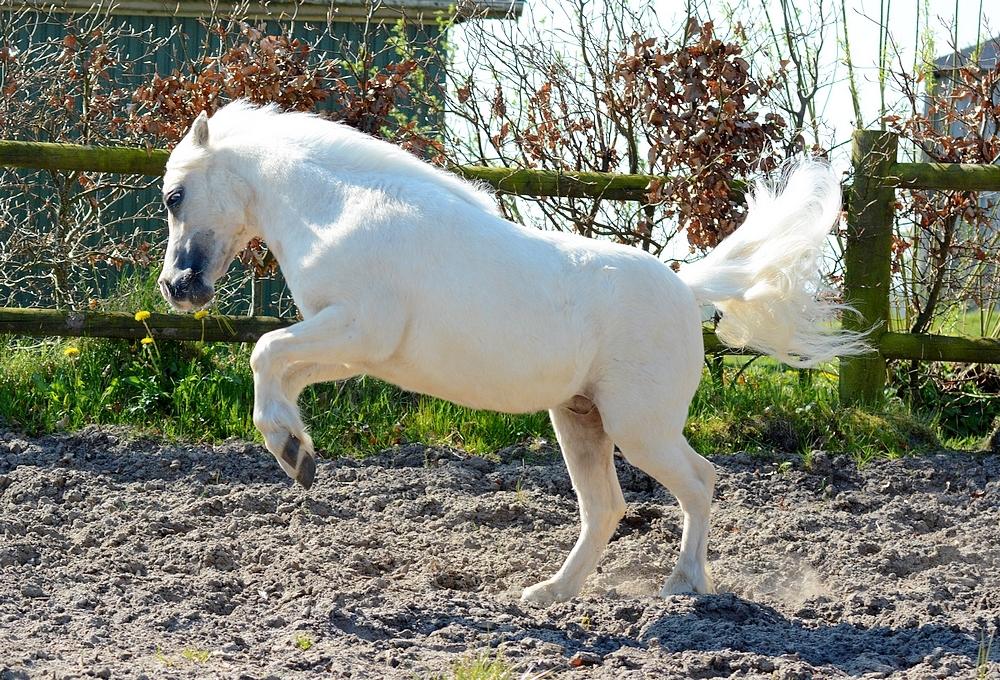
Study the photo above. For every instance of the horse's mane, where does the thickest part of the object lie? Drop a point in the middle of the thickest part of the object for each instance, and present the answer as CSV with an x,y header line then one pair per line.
x,y
335,145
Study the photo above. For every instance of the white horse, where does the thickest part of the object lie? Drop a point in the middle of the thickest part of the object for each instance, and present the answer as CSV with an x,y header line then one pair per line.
x,y
407,273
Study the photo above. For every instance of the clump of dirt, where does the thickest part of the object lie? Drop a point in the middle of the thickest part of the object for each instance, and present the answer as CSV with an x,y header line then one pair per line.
x,y
125,557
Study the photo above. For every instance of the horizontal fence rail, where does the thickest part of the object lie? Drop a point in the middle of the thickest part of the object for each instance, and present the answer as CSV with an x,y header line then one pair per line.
x,y
49,156
957,176
224,328
70,323
212,328
867,280
925,347
522,182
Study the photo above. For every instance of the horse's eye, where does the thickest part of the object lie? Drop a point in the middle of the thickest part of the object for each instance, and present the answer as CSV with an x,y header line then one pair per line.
x,y
174,198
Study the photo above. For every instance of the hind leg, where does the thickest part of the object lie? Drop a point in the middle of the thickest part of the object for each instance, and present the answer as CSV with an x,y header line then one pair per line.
x,y
691,479
588,452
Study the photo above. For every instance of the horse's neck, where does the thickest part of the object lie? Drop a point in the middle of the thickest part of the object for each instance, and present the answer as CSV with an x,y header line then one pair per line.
x,y
289,205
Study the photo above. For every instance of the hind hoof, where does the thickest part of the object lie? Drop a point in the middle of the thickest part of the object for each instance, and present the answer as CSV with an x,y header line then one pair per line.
x,y
545,592
680,583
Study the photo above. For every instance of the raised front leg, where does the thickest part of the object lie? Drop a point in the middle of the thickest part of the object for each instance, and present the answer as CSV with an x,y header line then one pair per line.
x,y
300,376
284,362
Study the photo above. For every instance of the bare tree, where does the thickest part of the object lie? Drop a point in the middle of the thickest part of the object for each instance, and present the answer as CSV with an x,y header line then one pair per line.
x,y
601,89
61,232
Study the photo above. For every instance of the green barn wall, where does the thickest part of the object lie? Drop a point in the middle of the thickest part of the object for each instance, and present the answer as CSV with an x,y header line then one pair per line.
x,y
190,38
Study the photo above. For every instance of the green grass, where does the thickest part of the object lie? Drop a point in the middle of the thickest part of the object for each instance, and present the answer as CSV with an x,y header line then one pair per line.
x,y
196,655
189,655
483,667
205,393
984,656
766,407
198,392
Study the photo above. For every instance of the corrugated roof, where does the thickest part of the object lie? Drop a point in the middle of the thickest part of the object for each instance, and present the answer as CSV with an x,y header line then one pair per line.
x,y
421,11
987,57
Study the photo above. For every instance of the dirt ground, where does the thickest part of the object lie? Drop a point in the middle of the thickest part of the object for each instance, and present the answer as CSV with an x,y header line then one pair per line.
x,y
126,557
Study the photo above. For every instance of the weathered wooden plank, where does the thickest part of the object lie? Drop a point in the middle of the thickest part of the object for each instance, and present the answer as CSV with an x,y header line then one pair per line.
x,y
715,347
908,346
48,156
213,328
958,176
523,182
867,261
220,328
128,160
924,347
217,327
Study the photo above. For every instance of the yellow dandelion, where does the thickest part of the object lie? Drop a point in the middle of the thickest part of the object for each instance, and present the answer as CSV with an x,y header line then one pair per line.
x,y
147,340
200,314
141,315
71,352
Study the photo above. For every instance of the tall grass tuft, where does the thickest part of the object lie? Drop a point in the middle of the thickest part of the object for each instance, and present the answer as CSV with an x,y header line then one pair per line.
x,y
764,407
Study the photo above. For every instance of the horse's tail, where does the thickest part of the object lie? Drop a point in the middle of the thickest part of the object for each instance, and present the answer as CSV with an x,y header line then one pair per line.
x,y
765,279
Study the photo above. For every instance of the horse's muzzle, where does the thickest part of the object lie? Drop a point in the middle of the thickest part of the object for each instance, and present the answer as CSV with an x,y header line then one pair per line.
x,y
186,290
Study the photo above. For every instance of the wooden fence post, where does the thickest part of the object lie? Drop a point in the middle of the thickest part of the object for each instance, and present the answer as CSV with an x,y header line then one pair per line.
x,y
867,261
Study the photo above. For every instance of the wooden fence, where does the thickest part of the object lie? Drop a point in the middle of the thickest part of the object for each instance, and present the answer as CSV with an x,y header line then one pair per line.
x,y
867,275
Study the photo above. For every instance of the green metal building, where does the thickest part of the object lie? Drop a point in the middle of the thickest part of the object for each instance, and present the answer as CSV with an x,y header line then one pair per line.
x,y
335,29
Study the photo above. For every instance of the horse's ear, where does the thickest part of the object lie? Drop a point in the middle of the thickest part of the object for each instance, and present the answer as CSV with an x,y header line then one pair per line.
x,y
199,130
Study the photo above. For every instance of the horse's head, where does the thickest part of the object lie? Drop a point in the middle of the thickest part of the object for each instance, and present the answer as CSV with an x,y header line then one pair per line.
x,y
207,216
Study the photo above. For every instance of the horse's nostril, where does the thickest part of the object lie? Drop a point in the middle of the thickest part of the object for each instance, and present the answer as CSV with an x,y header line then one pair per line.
x,y
179,287
185,286
166,290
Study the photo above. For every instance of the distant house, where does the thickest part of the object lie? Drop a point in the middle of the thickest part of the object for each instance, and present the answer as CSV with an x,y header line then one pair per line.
x,y
335,29
987,56
328,25
348,11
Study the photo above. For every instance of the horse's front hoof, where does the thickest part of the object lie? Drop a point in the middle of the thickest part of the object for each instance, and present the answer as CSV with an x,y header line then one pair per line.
x,y
294,454
299,460
306,471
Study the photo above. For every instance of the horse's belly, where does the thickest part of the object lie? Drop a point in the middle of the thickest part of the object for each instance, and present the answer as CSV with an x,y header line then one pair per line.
x,y
510,383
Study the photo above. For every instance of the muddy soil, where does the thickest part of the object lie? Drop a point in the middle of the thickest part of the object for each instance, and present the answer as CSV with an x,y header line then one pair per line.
x,y
125,557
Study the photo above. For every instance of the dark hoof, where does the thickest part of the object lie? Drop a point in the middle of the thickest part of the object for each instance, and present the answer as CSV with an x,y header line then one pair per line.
x,y
306,472
290,454
305,469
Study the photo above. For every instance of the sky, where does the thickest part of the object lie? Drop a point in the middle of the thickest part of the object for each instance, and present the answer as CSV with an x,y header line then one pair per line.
x,y
863,29
947,20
